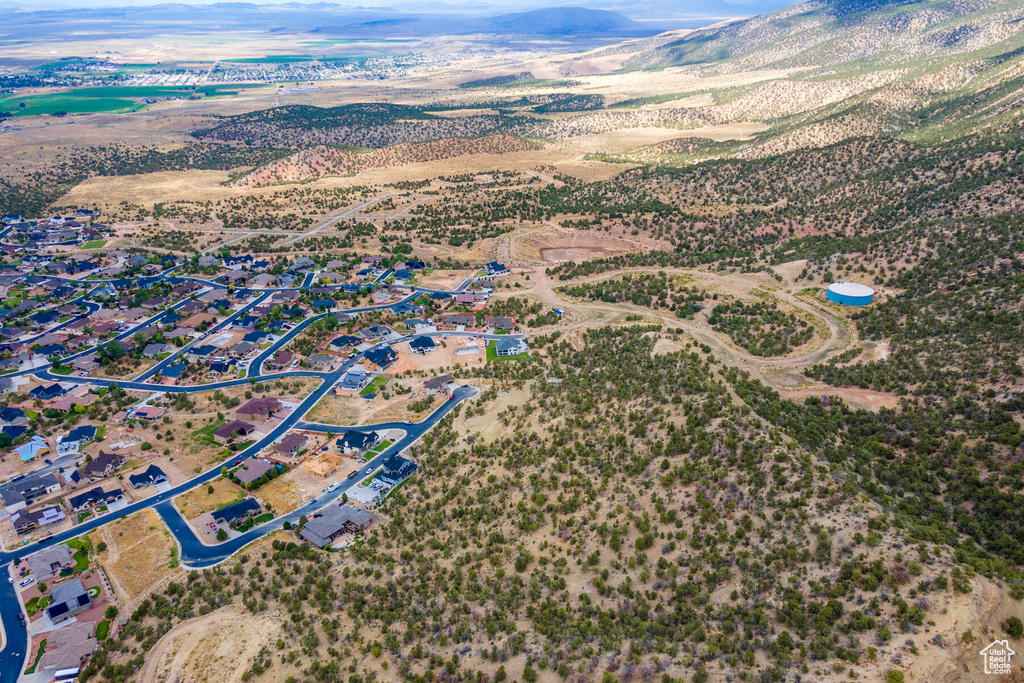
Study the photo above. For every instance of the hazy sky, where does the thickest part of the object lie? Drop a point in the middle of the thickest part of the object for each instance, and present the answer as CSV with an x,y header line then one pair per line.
x,y
636,8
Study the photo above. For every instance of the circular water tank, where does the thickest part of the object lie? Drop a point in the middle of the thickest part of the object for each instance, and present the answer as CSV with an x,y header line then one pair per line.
x,y
850,294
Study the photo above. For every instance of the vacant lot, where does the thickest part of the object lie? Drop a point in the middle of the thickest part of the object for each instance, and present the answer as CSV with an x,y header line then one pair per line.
x,y
138,557
292,489
201,499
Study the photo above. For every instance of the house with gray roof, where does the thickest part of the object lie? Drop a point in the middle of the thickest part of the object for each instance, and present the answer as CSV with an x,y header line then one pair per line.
x,y
17,495
333,522
67,600
49,562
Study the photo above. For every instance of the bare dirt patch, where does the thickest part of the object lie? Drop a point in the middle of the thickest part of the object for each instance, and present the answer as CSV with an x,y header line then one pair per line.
x,y
341,409
200,499
138,556
292,489
218,646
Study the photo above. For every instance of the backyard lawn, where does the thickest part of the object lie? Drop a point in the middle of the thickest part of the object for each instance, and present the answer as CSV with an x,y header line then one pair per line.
x,y
375,385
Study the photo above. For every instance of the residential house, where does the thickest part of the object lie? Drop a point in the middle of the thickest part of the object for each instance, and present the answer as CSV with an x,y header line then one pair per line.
x,y
495,269
50,562
396,469
319,361
68,647
174,371
236,262
334,521
155,303
353,441
94,499
236,276
422,344
19,494
13,416
262,280
281,360
291,445
235,512
457,322
380,357
355,378
261,408
207,261
509,347
151,477
149,412
52,350
257,337
232,430
101,467
240,350
157,349
47,392
26,521
221,367
32,449
73,441
85,364
67,600
442,384
373,332
198,353
324,304
253,469
345,341
500,322
302,263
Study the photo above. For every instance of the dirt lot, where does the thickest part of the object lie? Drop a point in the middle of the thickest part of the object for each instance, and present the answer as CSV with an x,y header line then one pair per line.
x,y
292,489
218,646
488,425
138,556
198,500
343,409
444,279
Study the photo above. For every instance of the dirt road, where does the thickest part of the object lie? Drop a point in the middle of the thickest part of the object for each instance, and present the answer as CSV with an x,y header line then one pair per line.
x,y
784,374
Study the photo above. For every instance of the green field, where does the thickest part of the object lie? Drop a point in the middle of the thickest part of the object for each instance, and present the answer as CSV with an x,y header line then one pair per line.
x,y
94,244
110,99
52,104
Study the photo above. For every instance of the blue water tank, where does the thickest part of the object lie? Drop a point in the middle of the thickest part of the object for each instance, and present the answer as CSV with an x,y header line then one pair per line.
x,y
850,294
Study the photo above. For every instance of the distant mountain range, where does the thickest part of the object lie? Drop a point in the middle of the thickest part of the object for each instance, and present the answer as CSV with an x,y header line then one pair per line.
x,y
432,15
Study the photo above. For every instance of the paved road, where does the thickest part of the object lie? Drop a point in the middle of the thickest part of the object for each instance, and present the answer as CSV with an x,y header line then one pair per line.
x,y
193,552
196,554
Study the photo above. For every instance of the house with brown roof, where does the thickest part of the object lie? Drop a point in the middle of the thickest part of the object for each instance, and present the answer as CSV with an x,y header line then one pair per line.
x,y
291,445
100,467
281,360
261,408
149,413
234,429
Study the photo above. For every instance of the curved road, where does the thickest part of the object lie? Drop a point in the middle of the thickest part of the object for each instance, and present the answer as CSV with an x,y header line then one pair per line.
x,y
193,552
